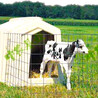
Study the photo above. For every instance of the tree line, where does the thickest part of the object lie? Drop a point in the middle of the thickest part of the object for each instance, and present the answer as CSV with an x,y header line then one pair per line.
x,y
28,8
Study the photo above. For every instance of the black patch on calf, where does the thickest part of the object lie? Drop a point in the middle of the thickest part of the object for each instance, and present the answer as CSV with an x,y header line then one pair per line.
x,y
60,49
54,55
49,51
65,57
54,46
68,51
60,56
79,46
77,43
54,51
57,54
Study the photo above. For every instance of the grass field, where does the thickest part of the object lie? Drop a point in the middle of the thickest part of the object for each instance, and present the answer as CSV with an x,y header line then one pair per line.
x,y
84,78
4,19
73,22
78,29
59,19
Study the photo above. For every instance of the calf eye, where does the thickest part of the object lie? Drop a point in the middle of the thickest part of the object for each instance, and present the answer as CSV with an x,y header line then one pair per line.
x,y
49,45
80,47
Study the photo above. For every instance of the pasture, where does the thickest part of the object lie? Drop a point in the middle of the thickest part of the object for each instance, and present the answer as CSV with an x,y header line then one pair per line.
x,y
84,78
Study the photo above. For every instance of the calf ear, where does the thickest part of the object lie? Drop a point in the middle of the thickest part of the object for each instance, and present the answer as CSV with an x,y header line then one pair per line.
x,y
77,41
74,43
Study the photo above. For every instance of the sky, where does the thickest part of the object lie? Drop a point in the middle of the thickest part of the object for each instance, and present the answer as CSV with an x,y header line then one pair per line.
x,y
56,2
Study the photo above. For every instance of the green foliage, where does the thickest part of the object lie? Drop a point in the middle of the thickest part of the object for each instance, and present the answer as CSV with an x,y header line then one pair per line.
x,y
28,43
10,54
17,50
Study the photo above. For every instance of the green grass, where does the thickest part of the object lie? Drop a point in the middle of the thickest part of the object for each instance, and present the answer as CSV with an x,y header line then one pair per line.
x,y
84,78
4,19
73,22
52,91
70,20
78,29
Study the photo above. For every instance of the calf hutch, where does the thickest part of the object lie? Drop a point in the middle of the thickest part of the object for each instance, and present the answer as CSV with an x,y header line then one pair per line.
x,y
22,42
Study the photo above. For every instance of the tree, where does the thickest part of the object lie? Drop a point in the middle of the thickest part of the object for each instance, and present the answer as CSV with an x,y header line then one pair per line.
x,y
56,11
28,8
38,9
72,11
95,7
8,10
87,12
1,9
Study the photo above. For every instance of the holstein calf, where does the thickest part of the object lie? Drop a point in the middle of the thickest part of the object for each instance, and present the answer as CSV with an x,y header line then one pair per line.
x,y
64,53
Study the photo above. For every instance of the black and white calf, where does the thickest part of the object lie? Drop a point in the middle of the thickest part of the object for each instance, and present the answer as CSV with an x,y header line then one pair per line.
x,y
64,53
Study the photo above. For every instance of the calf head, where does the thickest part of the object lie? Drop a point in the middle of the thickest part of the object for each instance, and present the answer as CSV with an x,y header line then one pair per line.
x,y
76,47
80,47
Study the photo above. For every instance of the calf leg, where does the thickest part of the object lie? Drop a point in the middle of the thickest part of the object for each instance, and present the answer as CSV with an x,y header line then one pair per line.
x,y
46,58
50,69
62,68
68,73
42,68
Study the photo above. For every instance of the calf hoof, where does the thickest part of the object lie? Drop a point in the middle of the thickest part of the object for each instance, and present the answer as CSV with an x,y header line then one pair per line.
x,y
41,76
69,89
68,86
